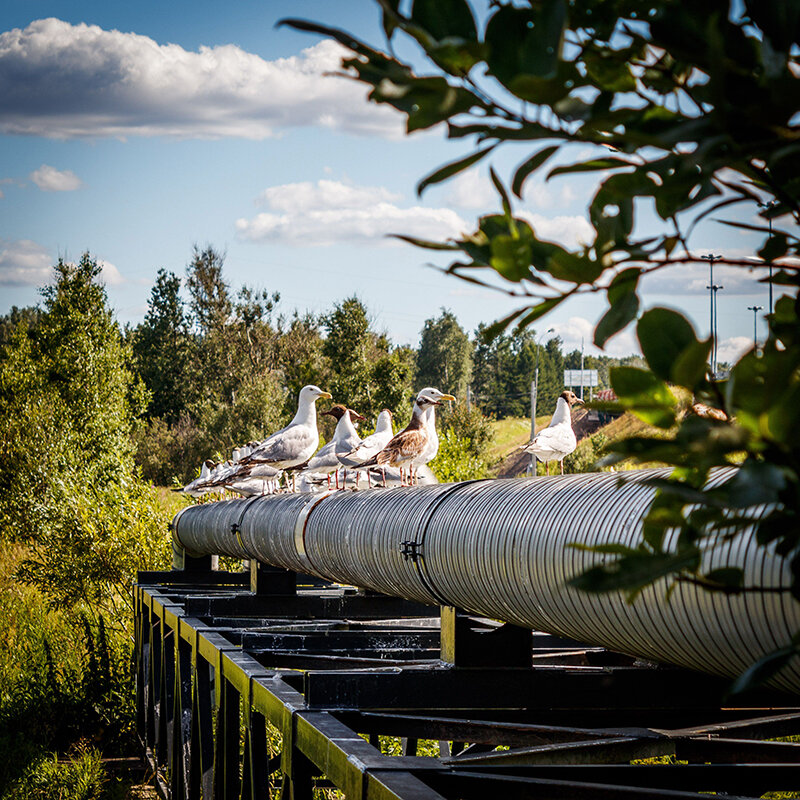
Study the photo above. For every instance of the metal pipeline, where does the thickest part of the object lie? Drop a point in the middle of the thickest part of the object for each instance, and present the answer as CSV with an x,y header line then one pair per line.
x,y
498,548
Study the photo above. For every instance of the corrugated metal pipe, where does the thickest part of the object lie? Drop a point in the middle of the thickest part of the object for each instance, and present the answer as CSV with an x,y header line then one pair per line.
x,y
498,548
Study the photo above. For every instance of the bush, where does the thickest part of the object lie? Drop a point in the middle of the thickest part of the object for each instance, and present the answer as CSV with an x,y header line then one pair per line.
x,y
468,424
456,459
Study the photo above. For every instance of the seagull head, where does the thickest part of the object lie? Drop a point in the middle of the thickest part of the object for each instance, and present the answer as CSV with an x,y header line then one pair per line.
x,y
337,412
432,397
570,397
313,393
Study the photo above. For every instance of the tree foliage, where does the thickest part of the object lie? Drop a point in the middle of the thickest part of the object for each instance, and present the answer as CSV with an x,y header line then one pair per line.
x,y
444,358
688,109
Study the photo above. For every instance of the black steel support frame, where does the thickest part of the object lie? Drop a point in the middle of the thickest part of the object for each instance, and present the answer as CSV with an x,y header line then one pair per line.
x,y
516,714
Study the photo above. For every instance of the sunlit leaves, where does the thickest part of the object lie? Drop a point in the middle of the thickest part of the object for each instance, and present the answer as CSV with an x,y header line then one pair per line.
x,y
624,305
671,348
644,394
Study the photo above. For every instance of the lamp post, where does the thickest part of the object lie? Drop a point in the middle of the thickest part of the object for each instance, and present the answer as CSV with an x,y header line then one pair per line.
x,y
713,308
770,204
755,310
535,395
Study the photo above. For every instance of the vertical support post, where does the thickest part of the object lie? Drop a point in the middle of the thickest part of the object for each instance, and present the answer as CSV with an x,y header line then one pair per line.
x,y
226,742
182,725
255,771
467,643
201,768
168,702
266,580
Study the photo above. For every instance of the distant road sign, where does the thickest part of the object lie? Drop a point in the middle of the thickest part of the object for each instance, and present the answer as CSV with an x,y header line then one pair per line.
x,y
572,377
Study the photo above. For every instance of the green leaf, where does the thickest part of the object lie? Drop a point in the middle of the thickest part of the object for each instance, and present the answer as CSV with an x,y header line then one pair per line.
x,y
764,669
645,395
539,310
635,571
531,165
525,41
428,245
727,577
611,162
445,19
448,170
621,312
664,335
501,190
624,305
496,328
511,257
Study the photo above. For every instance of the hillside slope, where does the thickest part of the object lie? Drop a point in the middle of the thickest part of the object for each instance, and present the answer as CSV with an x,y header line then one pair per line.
x,y
506,460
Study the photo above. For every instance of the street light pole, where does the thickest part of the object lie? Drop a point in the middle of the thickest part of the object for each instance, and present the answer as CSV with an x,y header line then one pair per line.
x,y
535,396
770,204
755,310
713,309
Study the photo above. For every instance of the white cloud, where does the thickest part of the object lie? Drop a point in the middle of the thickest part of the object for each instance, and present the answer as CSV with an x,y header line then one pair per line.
x,y
23,263
50,179
66,81
110,274
692,279
472,190
731,350
570,231
328,212
578,331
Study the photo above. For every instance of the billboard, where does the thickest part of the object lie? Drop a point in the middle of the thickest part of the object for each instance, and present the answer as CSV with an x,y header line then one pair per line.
x,y
572,377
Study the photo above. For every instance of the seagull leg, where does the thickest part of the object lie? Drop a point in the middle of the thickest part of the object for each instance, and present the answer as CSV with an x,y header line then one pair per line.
x,y
383,472
562,466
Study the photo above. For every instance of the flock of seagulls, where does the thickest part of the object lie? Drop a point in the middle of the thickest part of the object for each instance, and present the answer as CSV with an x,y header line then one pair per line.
x,y
292,452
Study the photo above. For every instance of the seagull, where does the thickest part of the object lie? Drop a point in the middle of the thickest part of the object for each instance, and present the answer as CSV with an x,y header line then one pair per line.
x,y
410,443
369,446
557,439
435,397
345,436
297,442
197,488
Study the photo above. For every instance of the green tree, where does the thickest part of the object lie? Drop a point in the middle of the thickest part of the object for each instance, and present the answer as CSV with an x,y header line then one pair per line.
x,y
444,358
164,348
350,347
69,399
686,109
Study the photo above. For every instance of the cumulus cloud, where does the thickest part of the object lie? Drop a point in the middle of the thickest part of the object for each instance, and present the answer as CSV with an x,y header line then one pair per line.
x,y
578,330
50,179
110,274
23,263
66,81
731,350
473,190
689,279
327,212
570,231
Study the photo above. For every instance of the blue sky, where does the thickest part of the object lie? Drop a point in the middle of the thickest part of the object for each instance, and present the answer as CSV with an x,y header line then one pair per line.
x,y
136,131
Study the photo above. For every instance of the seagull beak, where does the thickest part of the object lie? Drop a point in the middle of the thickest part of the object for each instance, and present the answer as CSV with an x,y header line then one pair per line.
x,y
447,397
326,396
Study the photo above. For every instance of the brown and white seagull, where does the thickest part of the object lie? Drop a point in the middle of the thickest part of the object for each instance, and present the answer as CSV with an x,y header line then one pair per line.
x,y
411,443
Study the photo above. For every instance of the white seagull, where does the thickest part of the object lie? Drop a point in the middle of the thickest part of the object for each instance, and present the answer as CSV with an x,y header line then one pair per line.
x,y
369,446
345,436
435,397
557,439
